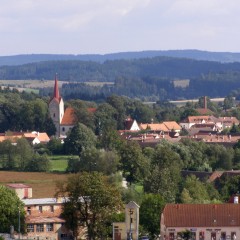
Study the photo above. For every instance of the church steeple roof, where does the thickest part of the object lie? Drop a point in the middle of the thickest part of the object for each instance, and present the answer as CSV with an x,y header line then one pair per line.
x,y
56,90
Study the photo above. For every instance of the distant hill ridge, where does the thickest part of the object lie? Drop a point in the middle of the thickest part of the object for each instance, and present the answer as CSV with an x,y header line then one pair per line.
x,y
224,57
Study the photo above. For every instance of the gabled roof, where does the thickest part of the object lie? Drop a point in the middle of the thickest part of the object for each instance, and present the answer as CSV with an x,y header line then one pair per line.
x,y
172,125
69,117
197,119
154,127
42,137
17,185
201,215
204,111
229,120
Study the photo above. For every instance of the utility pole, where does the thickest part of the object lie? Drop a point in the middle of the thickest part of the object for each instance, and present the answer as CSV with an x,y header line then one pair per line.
x,y
19,223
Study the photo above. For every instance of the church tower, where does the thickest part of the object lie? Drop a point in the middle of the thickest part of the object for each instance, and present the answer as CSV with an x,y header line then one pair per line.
x,y
56,107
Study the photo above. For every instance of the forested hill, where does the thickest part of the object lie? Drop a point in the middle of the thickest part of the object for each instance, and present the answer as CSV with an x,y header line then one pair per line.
x,y
192,54
82,71
146,78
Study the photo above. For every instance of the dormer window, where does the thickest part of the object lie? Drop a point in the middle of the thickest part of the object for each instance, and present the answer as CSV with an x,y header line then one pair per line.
x,y
40,209
29,211
52,208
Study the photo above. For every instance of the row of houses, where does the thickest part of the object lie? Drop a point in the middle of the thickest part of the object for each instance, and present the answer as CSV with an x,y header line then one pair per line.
x,y
33,137
198,128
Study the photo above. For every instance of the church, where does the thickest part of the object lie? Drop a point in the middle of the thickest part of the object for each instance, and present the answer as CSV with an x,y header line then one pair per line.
x,y
64,120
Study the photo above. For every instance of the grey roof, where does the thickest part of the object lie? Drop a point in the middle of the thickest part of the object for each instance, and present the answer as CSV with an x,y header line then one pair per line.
x,y
43,201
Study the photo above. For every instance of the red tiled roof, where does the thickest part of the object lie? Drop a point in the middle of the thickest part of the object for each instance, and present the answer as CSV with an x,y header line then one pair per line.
x,y
201,215
204,111
154,127
69,117
42,137
17,185
229,120
172,125
192,119
92,110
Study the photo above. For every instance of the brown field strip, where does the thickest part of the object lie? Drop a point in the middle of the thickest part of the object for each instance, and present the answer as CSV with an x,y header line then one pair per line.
x,y
43,184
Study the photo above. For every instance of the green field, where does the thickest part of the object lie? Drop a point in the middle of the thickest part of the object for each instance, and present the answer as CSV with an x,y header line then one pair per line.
x,y
59,163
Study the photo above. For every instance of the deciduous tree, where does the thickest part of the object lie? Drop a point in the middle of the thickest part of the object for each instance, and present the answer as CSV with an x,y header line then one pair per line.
x,y
10,208
90,201
81,137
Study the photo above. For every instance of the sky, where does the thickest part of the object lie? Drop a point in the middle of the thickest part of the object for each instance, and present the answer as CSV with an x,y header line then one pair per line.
x,y
109,26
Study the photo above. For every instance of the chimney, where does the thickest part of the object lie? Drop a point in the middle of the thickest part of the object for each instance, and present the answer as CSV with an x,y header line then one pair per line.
x,y
205,102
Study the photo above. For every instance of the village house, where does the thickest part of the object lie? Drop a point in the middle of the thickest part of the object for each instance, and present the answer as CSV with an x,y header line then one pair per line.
x,y
22,190
32,137
131,125
43,219
43,216
201,221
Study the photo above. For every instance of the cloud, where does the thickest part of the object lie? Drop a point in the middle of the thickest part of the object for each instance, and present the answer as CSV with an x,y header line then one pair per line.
x,y
74,26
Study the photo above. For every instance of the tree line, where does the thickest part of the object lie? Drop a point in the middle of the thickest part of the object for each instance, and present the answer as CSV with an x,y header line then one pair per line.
x,y
147,78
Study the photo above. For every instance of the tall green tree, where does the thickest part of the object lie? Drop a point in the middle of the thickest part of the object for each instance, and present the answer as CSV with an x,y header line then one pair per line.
x,y
92,159
134,164
24,153
91,201
81,137
151,208
10,208
165,173
8,155
194,191
39,163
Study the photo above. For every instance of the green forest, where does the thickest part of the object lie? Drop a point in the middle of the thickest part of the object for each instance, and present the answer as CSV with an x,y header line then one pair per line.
x,y
146,78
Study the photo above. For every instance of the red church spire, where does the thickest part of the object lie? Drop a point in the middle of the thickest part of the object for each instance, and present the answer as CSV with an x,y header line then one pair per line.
x,y
56,90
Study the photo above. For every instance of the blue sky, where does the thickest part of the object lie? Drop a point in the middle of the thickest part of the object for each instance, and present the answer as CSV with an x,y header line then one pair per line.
x,y
106,26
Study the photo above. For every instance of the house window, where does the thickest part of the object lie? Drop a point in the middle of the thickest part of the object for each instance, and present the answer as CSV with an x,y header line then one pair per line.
x,y
54,115
40,209
52,208
49,227
171,236
201,235
64,236
233,236
30,228
40,228
63,129
29,211
223,235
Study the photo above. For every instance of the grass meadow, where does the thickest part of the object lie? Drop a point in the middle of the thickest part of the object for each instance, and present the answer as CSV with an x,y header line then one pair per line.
x,y
58,163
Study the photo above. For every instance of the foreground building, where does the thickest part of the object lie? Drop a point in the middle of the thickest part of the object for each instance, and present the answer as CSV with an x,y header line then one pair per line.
x,y
43,219
129,229
43,215
201,221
